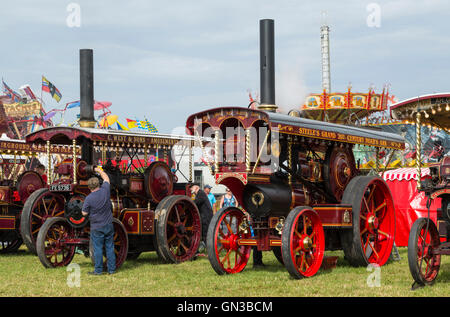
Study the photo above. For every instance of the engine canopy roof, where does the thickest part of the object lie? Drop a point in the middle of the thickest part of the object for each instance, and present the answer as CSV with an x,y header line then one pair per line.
x,y
65,135
285,124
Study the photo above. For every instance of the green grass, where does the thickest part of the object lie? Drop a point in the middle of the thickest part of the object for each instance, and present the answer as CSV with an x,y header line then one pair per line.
x,y
22,274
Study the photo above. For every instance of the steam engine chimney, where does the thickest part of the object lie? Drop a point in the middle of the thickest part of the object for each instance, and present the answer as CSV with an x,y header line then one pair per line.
x,y
87,89
87,119
267,65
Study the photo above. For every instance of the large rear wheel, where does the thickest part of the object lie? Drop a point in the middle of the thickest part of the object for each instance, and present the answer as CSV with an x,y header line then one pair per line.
x,y
372,236
178,228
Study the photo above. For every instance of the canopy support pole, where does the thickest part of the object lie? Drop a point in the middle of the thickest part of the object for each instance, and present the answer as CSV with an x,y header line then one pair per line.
x,y
418,149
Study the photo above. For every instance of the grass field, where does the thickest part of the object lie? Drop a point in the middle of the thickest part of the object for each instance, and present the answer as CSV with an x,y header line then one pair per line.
x,y
22,274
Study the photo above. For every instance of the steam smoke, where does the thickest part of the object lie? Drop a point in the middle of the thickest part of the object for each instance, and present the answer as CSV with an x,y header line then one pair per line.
x,y
290,88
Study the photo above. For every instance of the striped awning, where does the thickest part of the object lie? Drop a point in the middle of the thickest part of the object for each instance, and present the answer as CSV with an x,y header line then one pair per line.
x,y
406,173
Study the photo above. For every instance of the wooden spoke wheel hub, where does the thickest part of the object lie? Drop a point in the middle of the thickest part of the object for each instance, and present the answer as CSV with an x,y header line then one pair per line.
x,y
372,223
306,243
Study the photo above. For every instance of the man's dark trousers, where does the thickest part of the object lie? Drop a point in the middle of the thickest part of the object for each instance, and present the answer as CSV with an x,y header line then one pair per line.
x,y
99,237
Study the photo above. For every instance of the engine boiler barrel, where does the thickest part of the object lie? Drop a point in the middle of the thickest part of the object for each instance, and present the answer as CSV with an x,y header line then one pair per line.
x,y
276,199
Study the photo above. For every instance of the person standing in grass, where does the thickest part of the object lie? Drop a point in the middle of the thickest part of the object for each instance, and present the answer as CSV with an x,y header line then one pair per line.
x,y
98,206
206,212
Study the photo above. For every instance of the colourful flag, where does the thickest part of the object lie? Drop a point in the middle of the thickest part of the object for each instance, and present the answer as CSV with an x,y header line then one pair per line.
x,y
11,93
151,128
131,123
145,125
120,126
50,88
141,124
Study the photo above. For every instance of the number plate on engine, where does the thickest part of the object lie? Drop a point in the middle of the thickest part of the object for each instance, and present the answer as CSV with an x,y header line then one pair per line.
x,y
61,188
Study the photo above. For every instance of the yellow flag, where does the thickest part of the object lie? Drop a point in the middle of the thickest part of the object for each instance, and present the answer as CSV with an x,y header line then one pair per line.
x,y
131,123
121,126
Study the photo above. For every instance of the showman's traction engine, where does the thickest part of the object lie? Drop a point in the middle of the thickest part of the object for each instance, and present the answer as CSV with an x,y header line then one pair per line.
x,y
152,211
297,183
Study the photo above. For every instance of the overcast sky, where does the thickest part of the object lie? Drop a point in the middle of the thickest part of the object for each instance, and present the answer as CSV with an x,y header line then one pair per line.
x,y
167,59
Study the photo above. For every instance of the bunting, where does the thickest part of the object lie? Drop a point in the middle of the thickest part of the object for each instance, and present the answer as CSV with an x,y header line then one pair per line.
x,y
142,124
120,126
131,123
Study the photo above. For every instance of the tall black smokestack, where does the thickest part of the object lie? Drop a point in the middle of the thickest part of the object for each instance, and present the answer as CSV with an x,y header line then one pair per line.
x,y
267,64
87,89
87,119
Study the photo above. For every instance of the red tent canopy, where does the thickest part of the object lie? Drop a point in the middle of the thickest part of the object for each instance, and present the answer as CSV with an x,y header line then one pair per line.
x,y
409,204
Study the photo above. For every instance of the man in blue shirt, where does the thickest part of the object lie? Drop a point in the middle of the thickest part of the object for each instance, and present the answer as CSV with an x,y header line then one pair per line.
x,y
98,206
211,197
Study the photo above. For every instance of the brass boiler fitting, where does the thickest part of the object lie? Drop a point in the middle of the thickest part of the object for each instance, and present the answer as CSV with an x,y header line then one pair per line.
x,y
244,226
279,226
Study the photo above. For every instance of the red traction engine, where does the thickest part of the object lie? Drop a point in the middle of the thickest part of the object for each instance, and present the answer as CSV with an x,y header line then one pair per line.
x,y
428,240
151,210
298,183
17,182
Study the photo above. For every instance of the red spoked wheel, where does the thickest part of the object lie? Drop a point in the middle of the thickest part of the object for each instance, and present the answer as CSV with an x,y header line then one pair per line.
x,y
302,242
178,229
50,244
120,245
40,205
225,253
423,239
372,236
